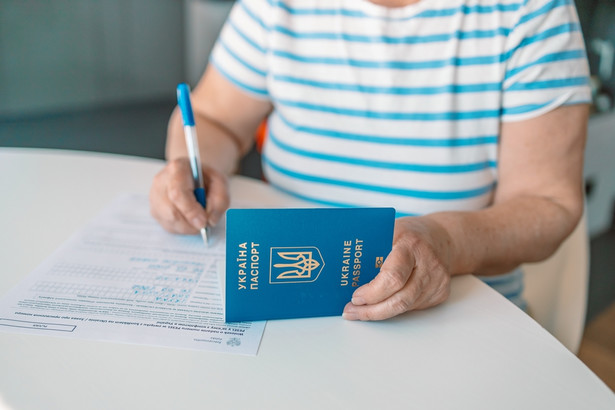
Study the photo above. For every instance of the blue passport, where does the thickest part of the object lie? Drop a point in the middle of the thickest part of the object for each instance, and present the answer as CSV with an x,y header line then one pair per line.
x,y
292,263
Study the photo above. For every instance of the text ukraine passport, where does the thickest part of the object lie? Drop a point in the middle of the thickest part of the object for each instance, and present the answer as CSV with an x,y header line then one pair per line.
x,y
291,263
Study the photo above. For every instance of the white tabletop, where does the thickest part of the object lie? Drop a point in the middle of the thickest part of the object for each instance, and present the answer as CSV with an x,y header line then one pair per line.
x,y
476,351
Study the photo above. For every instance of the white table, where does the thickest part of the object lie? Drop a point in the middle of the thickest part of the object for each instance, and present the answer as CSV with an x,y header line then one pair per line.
x,y
476,351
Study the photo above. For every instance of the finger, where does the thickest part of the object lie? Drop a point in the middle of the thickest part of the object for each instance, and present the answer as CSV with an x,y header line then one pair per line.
x,y
163,210
438,297
400,302
427,288
175,222
394,274
431,285
424,290
169,217
180,191
218,199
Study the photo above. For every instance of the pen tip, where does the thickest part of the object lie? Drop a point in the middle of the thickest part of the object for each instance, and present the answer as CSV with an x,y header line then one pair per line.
x,y
204,235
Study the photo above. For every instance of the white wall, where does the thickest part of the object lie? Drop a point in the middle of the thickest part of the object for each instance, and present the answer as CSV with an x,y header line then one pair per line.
x,y
68,54
204,20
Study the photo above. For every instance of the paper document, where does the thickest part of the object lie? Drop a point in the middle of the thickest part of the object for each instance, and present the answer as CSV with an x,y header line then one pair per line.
x,y
123,278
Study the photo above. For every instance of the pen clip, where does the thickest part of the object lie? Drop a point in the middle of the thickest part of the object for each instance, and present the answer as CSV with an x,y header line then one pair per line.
x,y
183,100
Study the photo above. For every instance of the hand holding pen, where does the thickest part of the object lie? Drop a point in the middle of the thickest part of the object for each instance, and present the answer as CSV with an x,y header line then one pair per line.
x,y
178,200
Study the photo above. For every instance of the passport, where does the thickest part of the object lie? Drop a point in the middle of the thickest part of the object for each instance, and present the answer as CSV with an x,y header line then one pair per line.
x,y
293,263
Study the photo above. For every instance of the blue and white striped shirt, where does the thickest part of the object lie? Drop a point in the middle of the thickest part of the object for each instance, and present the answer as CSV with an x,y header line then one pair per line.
x,y
401,107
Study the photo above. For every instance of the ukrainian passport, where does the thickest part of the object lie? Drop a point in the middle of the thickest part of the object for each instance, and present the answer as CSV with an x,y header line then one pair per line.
x,y
292,263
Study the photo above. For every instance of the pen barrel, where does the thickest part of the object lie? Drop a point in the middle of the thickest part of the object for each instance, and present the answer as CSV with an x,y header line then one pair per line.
x,y
194,156
200,195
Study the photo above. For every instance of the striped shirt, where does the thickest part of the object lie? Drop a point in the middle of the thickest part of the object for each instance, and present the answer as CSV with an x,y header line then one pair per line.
x,y
400,107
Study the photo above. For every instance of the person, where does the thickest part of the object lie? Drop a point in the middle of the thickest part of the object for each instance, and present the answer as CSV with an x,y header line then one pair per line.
x,y
469,117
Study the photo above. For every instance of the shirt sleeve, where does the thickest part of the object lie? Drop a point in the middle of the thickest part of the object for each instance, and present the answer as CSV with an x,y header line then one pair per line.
x,y
240,53
546,61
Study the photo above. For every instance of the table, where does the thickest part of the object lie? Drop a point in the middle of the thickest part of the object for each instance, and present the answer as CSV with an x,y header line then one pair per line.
x,y
476,351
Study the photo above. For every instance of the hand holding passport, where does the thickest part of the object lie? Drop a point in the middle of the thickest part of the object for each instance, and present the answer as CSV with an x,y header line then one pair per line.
x,y
291,263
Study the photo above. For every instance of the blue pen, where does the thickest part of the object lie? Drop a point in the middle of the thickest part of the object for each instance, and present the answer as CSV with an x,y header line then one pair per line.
x,y
183,100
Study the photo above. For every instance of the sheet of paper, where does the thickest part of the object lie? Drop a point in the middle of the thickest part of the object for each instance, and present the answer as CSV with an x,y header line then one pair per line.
x,y
123,278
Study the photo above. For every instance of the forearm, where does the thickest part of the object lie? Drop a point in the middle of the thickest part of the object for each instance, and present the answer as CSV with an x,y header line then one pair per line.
x,y
499,238
226,120
219,148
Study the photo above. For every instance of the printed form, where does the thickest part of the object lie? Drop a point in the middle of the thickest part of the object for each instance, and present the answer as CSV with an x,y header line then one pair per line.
x,y
123,278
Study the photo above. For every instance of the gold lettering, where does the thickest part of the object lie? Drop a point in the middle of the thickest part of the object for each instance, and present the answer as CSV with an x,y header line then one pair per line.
x,y
241,266
254,268
358,254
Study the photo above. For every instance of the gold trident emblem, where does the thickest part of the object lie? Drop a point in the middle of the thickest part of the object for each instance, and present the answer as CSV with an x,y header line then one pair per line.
x,y
301,268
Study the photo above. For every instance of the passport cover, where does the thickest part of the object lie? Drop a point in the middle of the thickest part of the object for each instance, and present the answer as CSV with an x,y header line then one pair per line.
x,y
292,263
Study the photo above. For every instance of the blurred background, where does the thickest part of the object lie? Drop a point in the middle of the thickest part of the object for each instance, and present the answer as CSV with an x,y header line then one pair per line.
x,y
100,75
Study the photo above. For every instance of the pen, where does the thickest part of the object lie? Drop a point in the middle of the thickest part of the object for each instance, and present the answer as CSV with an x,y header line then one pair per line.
x,y
183,100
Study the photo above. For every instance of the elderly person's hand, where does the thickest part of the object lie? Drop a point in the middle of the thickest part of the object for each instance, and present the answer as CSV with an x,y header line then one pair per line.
x,y
536,205
172,200
415,275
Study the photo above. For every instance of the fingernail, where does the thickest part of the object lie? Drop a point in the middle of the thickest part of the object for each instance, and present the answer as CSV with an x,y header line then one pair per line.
x,y
358,301
198,222
350,316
